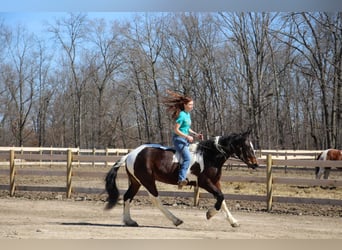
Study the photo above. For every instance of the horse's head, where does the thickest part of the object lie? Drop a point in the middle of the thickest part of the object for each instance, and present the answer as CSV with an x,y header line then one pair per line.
x,y
241,146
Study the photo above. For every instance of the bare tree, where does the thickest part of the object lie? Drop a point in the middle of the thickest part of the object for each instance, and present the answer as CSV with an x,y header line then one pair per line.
x,y
249,32
314,35
69,32
19,75
105,58
45,91
187,56
146,43
242,69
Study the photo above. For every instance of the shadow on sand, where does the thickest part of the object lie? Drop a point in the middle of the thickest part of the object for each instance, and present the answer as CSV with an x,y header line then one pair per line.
x,y
107,225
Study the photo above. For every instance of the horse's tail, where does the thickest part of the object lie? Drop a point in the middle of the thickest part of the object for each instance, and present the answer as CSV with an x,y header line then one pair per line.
x,y
319,156
111,187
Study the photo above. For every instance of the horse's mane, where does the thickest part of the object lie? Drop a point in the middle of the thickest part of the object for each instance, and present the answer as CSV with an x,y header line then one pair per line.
x,y
208,146
205,146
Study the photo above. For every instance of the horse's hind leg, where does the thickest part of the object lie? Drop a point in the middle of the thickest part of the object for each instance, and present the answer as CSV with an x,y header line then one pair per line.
x,y
326,173
147,180
166,212
319,171
128,197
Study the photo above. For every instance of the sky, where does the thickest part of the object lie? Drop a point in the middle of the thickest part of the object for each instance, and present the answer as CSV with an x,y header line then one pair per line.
x,y
168,5
34,13
35,21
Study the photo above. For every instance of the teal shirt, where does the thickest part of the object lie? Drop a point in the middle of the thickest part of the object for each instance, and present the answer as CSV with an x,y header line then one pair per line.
x,y
184,120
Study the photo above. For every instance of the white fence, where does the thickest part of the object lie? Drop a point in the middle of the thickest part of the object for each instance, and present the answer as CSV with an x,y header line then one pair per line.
x,y
12,158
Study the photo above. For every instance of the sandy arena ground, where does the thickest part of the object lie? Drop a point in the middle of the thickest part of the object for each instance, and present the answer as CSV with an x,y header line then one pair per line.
x,y
22,218
46,215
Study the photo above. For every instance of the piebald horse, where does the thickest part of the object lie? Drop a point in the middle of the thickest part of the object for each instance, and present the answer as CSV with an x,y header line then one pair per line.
x,y
329,154
150,163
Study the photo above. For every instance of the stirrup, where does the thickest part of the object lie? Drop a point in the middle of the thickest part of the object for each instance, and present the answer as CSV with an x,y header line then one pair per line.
x,y
182,183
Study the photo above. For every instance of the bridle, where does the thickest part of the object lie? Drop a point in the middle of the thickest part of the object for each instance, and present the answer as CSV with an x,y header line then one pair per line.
x,y
236,151
220,148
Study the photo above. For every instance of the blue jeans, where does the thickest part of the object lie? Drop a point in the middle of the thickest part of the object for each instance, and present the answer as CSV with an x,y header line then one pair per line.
x,y
182,147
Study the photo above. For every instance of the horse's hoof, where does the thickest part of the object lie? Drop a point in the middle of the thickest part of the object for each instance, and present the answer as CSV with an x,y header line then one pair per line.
x,y
178,222
131,224
211,212
235,224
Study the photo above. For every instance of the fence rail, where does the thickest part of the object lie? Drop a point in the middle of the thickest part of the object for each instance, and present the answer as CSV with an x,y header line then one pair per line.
x,y
17,158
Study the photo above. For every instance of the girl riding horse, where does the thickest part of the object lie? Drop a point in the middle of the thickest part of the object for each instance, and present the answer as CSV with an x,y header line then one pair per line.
x,y
150,163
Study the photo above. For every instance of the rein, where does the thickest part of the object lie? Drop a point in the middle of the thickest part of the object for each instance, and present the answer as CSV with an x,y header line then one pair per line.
x,y
220,148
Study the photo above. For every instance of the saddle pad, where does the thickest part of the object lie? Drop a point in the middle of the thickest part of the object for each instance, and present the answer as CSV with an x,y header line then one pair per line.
x,y
161,147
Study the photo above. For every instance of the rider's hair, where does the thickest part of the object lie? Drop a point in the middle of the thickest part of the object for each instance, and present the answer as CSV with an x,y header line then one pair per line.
x,y
175,102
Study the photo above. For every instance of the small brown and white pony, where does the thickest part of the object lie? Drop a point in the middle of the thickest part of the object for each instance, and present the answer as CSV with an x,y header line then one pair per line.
x,y
150,163
329,154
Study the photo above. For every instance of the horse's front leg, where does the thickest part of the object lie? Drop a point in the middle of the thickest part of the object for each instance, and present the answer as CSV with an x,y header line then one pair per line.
x,y
221,205
233,222
214,210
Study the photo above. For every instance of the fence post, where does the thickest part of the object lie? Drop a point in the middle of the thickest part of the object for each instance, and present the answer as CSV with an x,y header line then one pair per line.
x,y
51,152
78,153
107,155
69,173
269,182
21,152
196,195
12,173
40,153
94,153
285,165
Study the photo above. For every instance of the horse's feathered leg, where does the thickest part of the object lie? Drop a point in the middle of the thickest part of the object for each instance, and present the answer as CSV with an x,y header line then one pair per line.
x,y
166,212
133,188
318,173
150,185
127,215
113,191
326,172
214,210
233,222
215,190
220,203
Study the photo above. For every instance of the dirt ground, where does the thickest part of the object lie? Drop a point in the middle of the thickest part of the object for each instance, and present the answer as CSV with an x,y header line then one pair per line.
x,y
22,218
46,215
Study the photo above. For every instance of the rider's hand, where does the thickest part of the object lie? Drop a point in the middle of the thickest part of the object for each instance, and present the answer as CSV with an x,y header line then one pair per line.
x,y
190,138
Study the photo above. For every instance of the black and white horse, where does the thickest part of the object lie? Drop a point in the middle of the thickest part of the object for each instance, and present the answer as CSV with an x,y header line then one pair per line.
x,y
150,163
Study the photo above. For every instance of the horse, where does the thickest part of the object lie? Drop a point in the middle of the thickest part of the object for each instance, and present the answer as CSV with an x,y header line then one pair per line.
x,y
149,163
328,154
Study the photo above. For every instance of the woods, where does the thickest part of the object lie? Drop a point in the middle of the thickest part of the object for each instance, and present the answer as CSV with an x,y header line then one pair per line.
x,y
98,83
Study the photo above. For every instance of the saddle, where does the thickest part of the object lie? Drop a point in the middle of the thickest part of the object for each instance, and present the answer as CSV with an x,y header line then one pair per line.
x,y
177,157
166,148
